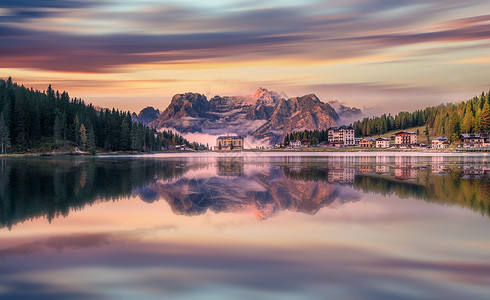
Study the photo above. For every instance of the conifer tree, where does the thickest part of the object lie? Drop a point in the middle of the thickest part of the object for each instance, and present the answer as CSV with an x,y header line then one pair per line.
x,y
91,147
58,129
4,135
485,117
83,136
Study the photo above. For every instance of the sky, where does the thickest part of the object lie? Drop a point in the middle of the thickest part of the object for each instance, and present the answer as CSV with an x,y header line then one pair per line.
x,y
378,55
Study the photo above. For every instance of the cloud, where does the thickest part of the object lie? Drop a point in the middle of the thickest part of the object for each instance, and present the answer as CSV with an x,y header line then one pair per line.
x,y
31,38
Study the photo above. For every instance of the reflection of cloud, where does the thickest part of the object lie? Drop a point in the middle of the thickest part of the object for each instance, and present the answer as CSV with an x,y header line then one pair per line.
x,y
81,241
339,272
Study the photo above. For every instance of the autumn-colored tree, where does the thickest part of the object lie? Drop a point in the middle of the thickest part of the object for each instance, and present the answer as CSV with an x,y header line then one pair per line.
x,y
485,117
83,136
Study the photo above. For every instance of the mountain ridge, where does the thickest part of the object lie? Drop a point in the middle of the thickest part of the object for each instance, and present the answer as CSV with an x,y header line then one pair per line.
x,y
264,115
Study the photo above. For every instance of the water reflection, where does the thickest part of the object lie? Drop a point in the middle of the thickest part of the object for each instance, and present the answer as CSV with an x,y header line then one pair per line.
x,y
32,188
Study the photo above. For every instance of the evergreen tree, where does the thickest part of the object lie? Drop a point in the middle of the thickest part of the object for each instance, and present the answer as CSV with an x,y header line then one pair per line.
x,y
83,136
78,130
124,136
477,124
468,121
453,127
485,117
4,135
91,147
58,129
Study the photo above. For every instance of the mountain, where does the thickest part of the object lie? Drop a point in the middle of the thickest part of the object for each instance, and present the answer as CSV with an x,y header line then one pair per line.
x,y
146,115
300,113
265,115
345,113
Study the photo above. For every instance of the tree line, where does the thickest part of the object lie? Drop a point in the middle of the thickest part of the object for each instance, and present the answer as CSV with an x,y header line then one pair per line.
x,y
31,120
450,120
313,136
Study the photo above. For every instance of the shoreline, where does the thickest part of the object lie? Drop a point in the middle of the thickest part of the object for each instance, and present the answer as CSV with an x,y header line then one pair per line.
x,y
268,152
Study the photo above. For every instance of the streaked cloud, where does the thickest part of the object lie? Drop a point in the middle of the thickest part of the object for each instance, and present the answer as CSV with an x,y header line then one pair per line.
x,y
360,41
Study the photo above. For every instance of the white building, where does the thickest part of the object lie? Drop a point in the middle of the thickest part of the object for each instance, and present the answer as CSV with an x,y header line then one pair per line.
x,y
295,143
343,135
440,143
382,142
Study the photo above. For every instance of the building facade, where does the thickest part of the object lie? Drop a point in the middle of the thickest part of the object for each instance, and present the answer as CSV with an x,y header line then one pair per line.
x,y
382,142
295,143
342,136
440,143
405,138
367,143
229,143
475,140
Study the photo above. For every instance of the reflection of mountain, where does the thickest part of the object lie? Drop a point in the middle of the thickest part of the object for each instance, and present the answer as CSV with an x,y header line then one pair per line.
x,y
32,188
263,194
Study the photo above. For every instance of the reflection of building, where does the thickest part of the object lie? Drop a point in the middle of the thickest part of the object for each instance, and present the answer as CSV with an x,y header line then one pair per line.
x,y
366,143
230,166
440,143
382,169
439,169
365,169
382,142
229,143
342,136
476,172
341,175
404,161
405,173
405,138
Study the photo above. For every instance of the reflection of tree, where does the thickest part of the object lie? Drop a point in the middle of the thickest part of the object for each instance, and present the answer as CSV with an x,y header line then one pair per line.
x,y
450,189
306,173
31,188
454,188
52,188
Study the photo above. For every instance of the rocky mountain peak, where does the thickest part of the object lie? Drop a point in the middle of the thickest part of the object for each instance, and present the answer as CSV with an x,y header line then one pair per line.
x,y
264,96
146,115
264,114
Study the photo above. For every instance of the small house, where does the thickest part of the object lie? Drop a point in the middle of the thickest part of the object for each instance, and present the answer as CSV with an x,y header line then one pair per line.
x,y
295,143
382,142
440,143
367,143
475,140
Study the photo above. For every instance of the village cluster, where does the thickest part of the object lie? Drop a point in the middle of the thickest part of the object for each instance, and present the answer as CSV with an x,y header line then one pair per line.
x,y
343,136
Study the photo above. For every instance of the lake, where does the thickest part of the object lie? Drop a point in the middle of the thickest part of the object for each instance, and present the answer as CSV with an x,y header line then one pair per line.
x,y
246,226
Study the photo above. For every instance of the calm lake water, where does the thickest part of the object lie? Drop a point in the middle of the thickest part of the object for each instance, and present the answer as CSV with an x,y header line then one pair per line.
x,y
245,227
